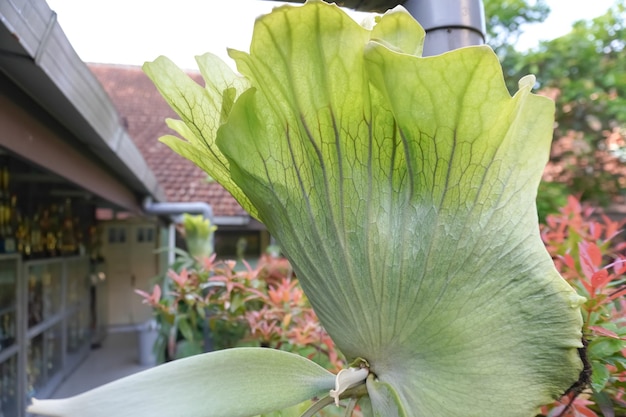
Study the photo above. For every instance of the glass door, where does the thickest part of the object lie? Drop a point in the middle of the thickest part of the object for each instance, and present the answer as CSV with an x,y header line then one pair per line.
x,y
9,339
45,323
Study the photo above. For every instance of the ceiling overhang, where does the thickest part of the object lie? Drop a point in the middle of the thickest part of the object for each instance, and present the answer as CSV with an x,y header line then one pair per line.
x,y
37,57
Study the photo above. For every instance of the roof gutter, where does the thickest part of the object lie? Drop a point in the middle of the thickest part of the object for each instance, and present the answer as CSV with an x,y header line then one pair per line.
x,y
178,208
232,220
37,57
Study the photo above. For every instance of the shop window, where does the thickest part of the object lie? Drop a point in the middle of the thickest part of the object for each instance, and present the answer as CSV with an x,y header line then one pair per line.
x,y
121,235
117,235
150,234
145,234
237,244
112,235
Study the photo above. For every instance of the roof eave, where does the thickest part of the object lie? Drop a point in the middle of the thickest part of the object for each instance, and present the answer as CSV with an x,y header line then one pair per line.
x,y
37,56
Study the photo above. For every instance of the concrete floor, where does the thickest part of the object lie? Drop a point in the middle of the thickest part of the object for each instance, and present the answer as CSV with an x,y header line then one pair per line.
x,y
116,358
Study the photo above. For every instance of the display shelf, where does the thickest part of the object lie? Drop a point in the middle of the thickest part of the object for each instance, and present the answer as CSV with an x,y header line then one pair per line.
x,y
9,336
78,329
9,402
44,358
78,283
8,306
45,326
8,330
58,319
45,290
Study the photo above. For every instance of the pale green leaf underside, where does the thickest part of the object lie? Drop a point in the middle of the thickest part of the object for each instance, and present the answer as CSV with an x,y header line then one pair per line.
x,y
402,189
202,111
229,383
385,399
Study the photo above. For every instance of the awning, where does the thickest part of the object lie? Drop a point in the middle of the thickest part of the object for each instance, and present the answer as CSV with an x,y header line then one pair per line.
x,y
84,140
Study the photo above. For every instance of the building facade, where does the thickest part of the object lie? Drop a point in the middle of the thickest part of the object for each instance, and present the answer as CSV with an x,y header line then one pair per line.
x,y
80,176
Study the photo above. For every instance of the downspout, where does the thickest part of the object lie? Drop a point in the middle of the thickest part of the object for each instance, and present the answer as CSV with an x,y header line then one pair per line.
x,y
171,243
449,24
176,209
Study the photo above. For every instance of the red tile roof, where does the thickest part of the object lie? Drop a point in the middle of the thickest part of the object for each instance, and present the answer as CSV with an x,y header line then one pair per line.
x,y
143,112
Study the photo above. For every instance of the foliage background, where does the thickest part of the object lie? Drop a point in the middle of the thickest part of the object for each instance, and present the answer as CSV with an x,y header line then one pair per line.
x,y
585,73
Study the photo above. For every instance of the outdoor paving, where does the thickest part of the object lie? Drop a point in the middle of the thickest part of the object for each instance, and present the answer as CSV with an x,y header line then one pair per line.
x,y
116,358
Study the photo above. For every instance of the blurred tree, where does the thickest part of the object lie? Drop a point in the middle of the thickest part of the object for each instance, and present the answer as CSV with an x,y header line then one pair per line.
x,y
505,20
585,73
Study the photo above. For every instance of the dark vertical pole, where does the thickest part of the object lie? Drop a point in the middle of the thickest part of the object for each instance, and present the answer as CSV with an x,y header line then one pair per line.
x,y
449,24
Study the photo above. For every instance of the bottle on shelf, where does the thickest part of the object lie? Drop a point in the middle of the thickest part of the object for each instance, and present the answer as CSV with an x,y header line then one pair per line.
x,y
68,236
48,238
5,244
11,225
7,330
36,238
3,232
79,237
23,237
53,236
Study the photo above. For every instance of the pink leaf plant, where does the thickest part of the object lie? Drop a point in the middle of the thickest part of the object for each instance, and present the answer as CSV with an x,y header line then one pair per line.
x,y
588,251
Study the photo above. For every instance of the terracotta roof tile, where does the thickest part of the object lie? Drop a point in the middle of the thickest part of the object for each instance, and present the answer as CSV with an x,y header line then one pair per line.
x,y
143,112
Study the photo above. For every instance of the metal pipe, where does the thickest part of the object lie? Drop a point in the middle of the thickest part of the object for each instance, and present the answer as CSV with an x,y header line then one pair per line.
x,y
171,243
177,208
449,24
